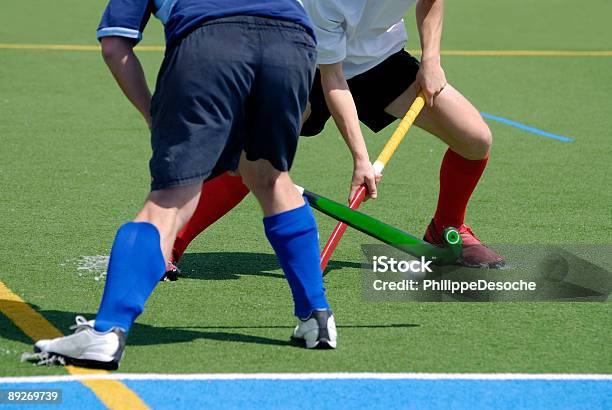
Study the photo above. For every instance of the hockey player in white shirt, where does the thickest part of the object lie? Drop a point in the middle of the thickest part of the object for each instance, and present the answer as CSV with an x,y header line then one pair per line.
x,y
366,75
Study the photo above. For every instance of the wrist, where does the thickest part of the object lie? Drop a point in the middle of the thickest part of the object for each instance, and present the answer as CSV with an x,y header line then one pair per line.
x,y
430,59
361,159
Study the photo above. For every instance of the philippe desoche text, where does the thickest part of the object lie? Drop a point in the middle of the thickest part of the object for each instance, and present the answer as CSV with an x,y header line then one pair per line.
x,y
384,264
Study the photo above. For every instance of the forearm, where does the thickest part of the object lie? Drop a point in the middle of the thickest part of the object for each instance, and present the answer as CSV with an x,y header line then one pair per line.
x,y
429,20
128,72
342,108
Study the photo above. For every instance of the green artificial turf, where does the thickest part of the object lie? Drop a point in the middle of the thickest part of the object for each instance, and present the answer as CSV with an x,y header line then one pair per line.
x,y
73,167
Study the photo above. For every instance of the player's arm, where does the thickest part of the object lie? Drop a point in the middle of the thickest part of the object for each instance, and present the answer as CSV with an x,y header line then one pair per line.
x,y
430,78
119,31
342,108
118,53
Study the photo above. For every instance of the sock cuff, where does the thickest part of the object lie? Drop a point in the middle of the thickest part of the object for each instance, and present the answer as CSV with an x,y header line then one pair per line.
x,y
139,228
294,219
464,165
458,157
139,240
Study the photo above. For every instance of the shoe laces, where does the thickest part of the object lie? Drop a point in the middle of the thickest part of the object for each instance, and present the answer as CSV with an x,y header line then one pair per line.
x,y
467,230
80,324
43,359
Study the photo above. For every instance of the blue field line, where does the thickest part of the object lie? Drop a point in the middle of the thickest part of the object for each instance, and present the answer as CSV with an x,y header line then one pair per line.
x,y
375,394
527,128
345,393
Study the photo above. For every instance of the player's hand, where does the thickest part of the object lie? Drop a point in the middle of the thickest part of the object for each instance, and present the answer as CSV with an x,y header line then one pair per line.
x,y
431,80
363,174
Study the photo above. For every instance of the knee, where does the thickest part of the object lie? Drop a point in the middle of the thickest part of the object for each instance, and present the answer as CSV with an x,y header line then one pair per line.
x,y
177,197
261,182
480,143
164,207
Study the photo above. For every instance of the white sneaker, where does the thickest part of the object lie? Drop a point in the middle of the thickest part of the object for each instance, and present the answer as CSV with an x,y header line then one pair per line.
x,y
318,331
86,347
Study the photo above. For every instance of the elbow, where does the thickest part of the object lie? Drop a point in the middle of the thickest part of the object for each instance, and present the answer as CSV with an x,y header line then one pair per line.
x,y
115,48
332,77
426,4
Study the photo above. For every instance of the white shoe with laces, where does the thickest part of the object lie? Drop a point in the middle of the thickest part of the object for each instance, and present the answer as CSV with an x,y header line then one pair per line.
x,y
86,347
318,331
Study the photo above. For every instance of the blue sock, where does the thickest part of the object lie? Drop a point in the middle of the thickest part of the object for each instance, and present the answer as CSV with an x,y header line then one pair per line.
x,y
136,265
293,235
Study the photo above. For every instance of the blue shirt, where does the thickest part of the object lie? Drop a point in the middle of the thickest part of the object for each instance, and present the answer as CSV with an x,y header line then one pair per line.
x,y
128,18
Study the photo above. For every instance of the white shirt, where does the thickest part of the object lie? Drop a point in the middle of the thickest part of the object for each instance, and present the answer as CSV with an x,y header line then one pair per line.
x,y
359,33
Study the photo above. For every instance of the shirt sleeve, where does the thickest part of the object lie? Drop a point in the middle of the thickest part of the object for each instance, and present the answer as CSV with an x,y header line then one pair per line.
x,y
330,30
125,18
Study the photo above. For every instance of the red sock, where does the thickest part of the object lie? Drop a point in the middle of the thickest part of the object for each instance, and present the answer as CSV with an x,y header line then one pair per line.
x,y
219,196
458,178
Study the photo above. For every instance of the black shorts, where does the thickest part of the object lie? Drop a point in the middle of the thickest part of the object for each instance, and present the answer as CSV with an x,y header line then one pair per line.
x,y
233,84
372,91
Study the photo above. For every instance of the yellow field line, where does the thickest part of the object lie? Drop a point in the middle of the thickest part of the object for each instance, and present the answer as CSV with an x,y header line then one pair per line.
x,y
113,393
529,53
69,47
522,53
460,53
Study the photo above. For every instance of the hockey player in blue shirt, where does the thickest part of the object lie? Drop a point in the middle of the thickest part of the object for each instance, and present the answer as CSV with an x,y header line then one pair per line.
x,y
229,96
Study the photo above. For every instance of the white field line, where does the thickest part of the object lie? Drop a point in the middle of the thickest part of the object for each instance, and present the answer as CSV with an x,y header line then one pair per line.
x,y
309,376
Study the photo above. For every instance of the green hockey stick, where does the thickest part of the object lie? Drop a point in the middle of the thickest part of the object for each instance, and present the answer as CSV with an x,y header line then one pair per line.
x,y
440,255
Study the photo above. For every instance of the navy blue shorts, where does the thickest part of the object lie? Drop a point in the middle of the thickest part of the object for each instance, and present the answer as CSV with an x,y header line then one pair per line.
x,y
233,84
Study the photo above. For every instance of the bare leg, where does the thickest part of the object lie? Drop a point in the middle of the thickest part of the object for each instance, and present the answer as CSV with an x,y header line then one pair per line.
x,y
169,210
273,189
453,119
292,231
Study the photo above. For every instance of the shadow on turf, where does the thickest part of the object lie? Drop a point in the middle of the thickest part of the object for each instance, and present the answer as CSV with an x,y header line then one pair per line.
x,y
232,265
146,335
